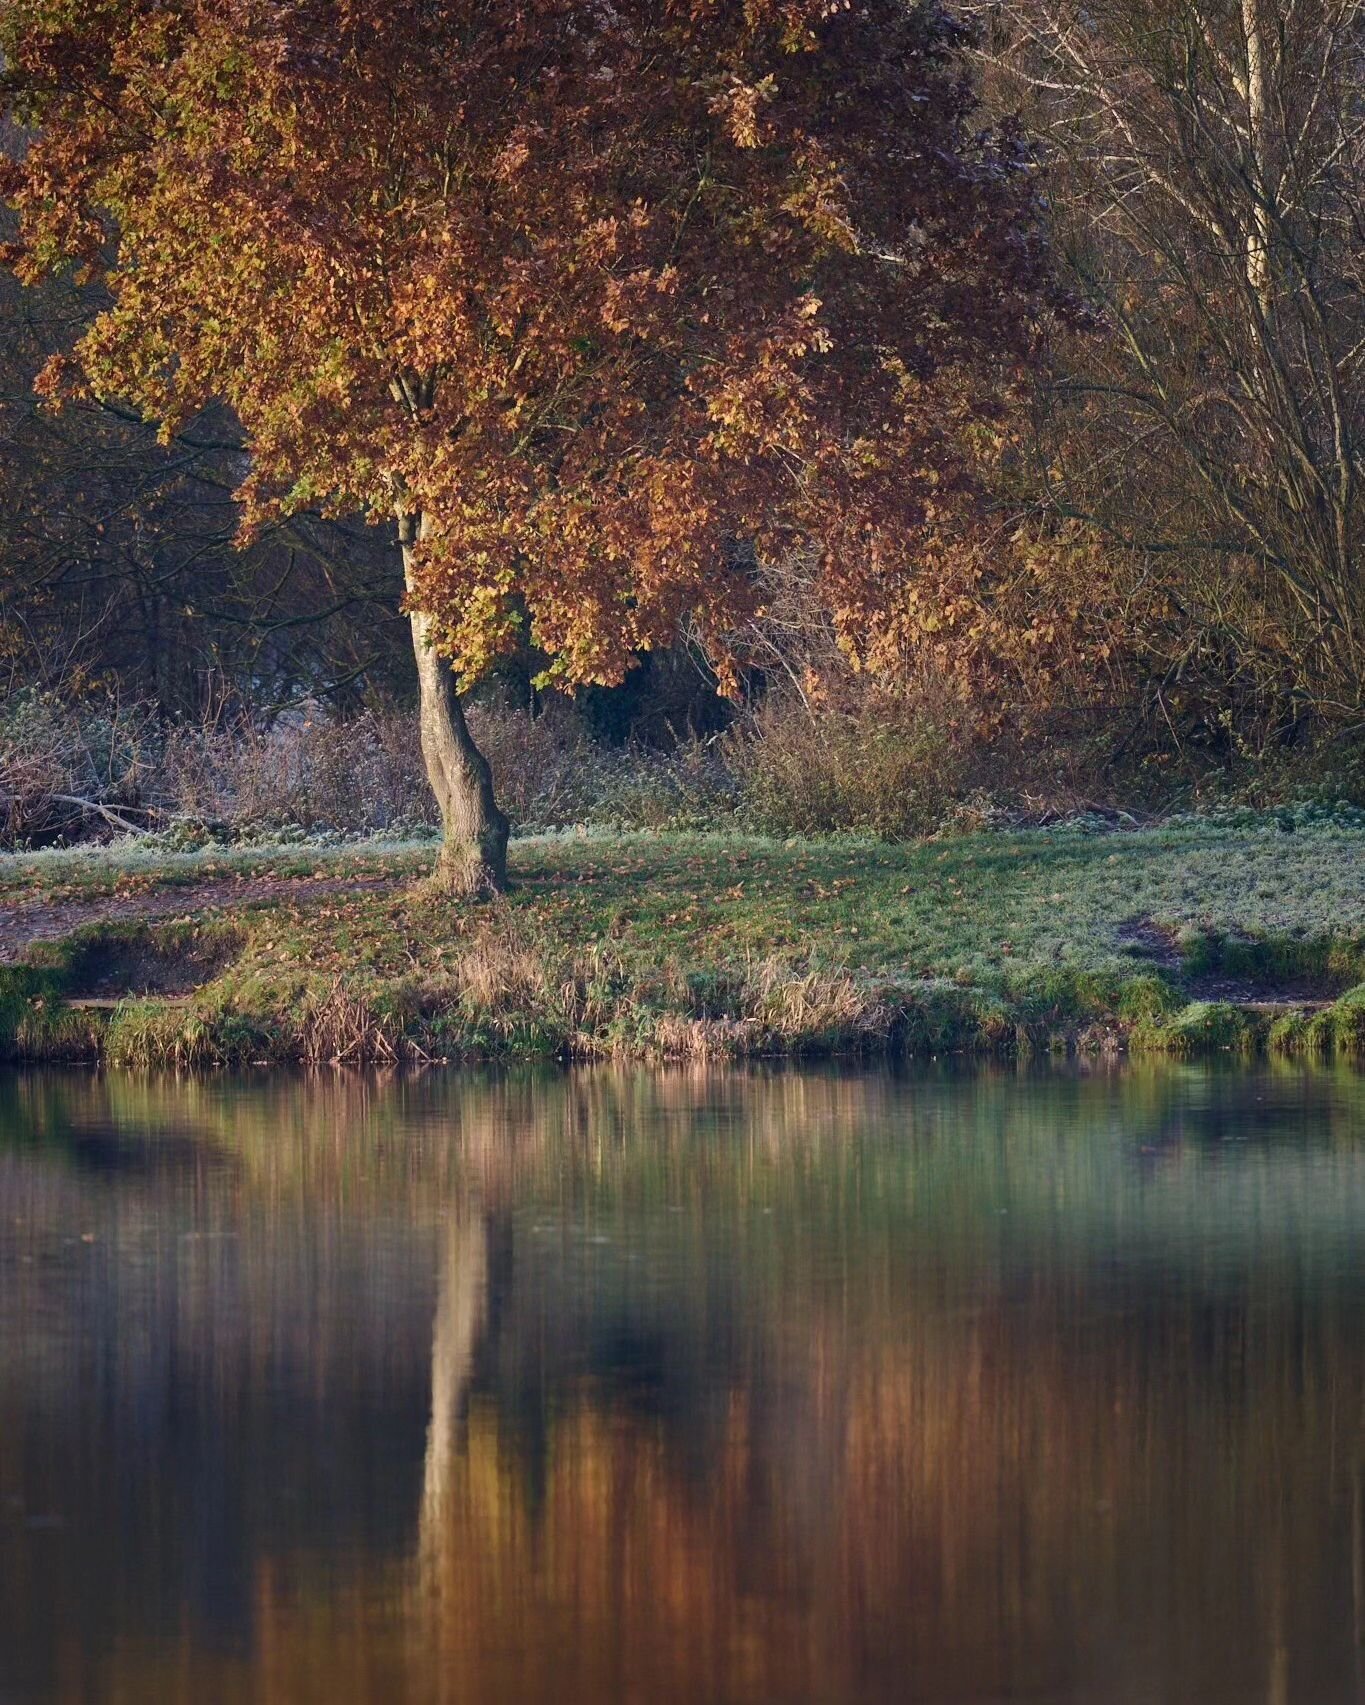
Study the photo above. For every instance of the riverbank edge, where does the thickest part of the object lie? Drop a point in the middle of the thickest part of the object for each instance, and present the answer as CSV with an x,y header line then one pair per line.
x,y
1226,994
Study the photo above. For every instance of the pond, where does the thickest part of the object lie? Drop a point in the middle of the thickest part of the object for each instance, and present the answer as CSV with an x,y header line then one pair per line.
x,y
625,1386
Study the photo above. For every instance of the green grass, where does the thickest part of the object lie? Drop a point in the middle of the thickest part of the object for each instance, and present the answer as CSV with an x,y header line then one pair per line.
x,y
710,944
982,905
59,874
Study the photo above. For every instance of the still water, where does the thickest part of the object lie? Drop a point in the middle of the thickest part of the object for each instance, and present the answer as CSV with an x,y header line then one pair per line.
x,y
639,1387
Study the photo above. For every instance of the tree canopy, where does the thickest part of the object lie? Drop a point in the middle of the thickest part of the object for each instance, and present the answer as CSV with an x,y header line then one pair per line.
x,y
607,302
603,291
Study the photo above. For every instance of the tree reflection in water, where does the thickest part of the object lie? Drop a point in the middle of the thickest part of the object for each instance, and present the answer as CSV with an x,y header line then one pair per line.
x,y
683,1386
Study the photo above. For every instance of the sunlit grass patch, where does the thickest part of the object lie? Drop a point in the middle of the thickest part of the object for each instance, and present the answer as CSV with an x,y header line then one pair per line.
x,y
710,945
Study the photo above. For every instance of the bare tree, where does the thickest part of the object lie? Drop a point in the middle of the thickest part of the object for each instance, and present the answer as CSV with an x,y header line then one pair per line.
x,y
120,558
1206,168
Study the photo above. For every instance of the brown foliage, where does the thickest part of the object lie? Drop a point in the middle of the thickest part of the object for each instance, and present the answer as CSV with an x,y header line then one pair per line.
x,y
617,299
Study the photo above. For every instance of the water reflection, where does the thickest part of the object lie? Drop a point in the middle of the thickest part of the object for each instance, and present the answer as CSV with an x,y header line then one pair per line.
x,y
650,1387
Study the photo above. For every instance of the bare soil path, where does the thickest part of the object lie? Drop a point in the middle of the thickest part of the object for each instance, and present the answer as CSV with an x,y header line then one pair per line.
x,y
1159,949
25,922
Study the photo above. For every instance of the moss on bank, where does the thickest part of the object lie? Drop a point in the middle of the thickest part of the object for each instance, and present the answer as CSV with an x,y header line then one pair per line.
x,y
1187,941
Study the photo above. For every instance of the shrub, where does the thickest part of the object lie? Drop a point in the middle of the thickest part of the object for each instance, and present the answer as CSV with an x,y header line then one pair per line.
x,y
691,787
545,766
1202,1027
883,768
306,769
310,771
1341,1028
61,768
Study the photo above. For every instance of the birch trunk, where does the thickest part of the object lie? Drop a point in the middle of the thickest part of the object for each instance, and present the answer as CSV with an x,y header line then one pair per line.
x,y
1258,126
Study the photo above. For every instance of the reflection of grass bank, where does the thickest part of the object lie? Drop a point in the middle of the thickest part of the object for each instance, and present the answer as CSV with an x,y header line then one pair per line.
x,y
703,946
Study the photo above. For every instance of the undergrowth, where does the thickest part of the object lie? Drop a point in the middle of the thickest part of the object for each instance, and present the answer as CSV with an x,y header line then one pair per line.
x,y
501,999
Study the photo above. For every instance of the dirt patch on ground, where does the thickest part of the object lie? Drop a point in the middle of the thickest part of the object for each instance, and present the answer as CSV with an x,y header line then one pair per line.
x,y
24,923
1253,997
1157,948
143,963
1147,941
1228,991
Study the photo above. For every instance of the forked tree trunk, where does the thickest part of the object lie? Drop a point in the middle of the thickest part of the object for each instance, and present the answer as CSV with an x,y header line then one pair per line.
x,y
474,854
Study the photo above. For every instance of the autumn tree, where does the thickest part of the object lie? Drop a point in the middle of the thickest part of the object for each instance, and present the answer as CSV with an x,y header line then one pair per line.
x,y
605,303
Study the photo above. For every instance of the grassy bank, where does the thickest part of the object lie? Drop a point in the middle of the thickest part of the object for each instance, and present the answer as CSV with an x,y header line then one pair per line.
x,y
1201,935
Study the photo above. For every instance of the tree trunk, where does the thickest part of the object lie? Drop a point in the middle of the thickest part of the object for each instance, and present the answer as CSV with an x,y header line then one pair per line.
x,y
461,1311
1258,129
474,855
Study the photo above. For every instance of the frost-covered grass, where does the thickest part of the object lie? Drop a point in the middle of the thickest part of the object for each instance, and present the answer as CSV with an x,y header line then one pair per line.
x,y
981,906
698,943
60,873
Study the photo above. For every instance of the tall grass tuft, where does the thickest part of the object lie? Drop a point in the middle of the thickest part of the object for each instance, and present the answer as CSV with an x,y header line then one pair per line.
x,y
881,767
